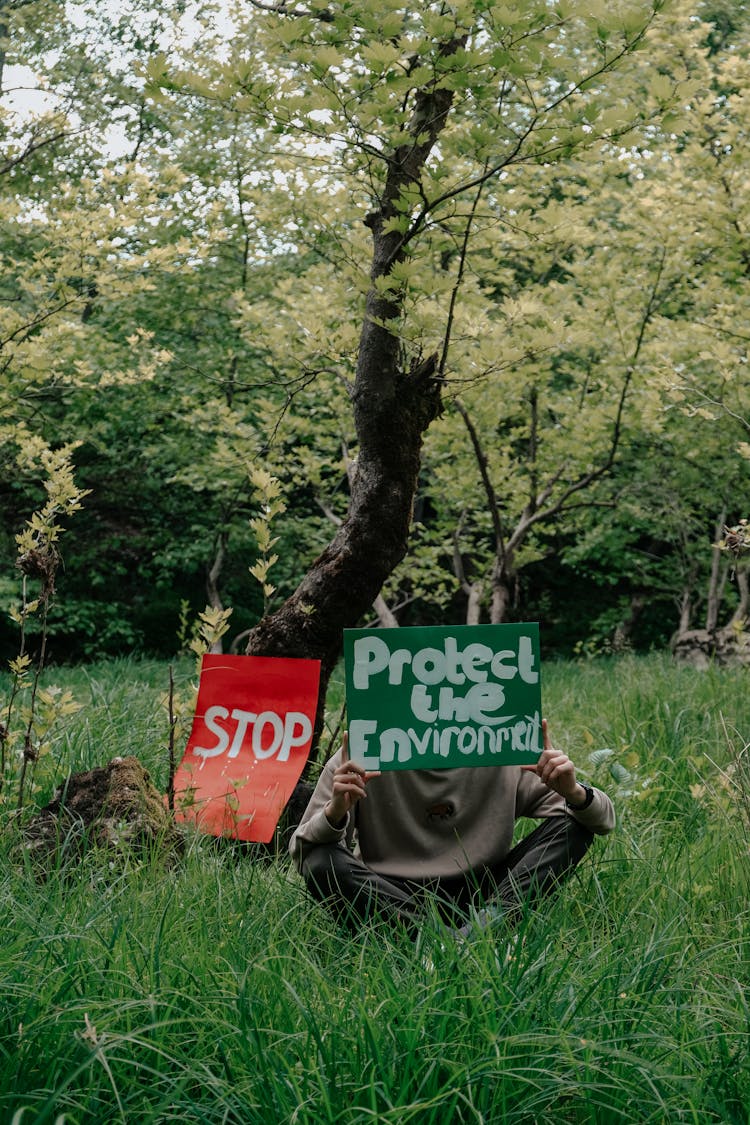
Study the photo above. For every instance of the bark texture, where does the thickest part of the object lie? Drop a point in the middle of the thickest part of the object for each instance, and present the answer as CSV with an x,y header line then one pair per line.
x,y
344,581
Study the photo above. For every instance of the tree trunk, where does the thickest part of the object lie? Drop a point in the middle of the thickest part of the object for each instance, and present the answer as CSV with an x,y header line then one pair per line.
x,y
740,614
624,631
685,612
344,581
392,409
715,586
473,603
474,590
503,576
386,618
212,583
728,645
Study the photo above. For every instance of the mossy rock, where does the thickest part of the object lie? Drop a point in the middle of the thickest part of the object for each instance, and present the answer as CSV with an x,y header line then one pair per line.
x,y
115,808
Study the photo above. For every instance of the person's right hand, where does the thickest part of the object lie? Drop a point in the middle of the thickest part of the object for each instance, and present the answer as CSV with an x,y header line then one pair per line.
x,y
349,784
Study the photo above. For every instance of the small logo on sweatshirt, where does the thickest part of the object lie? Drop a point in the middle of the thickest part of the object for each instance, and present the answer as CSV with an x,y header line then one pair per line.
x,y
442,810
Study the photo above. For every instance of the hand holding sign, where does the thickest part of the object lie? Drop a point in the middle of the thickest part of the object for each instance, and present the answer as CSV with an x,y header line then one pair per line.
x,y
349,784
557,771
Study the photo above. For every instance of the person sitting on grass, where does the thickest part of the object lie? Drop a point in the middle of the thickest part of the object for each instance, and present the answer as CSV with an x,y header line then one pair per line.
x,y
447,833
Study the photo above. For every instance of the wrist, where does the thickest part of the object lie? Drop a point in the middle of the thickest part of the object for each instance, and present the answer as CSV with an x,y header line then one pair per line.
x,y
335,817
581,798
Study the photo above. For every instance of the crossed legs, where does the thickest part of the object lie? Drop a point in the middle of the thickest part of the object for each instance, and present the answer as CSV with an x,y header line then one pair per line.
x,y
531,870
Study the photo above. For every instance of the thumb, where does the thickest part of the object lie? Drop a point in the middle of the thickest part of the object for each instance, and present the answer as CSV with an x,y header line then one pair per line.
x,y
345,746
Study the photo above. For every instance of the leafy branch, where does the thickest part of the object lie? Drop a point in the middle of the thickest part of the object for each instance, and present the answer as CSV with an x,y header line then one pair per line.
x,y
24,731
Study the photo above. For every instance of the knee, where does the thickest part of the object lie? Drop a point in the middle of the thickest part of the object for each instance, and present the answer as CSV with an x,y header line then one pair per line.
x,y
561,841
578,838
319,869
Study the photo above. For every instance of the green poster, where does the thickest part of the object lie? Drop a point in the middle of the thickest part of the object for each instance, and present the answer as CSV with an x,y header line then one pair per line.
x,y
434,698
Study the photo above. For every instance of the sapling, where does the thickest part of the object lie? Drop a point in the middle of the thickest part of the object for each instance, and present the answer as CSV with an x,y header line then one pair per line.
x,y
213,622
207,631
267,491
24,730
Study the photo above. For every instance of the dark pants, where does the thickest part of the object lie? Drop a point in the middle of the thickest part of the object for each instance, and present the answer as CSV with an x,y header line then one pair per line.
x,y
531,870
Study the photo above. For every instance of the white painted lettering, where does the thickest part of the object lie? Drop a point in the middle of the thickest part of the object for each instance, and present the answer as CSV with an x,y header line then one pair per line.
x,y
486,736
467,740
243,719
370,657
500,670
420,744
446,735
501,736
297,731
394,741
482,700
518,736
452,707
533,742
473,656
421,701
398,661
213,713
359,731
429,666
267,719
526,661
453,660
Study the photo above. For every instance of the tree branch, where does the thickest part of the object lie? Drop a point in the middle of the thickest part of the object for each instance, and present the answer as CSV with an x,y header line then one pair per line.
x,y
32,147
281,8
489,492
458,282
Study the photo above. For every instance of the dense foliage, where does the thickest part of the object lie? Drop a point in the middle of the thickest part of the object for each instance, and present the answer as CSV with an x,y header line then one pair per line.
x,y
185,256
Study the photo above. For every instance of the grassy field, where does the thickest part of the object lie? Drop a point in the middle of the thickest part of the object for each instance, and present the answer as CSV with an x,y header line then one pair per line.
x,y
217,993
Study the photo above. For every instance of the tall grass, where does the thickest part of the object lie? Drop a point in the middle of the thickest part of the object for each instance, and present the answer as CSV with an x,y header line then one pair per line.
x,y
218,993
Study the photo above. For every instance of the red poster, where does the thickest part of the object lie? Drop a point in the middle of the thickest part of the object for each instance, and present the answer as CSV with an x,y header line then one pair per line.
x,y
251,736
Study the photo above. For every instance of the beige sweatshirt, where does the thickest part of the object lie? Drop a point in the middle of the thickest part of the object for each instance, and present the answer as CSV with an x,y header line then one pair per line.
x,y
425,823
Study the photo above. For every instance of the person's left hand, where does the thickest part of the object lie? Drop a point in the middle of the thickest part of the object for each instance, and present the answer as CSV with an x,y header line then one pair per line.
x,y
556,770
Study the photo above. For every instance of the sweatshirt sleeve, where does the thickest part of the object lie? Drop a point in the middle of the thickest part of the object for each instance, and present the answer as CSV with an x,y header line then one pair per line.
x,y
315,828
599,817
535,799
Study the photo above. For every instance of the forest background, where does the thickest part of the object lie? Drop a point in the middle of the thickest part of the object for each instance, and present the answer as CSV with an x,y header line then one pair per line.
x,y
186,227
